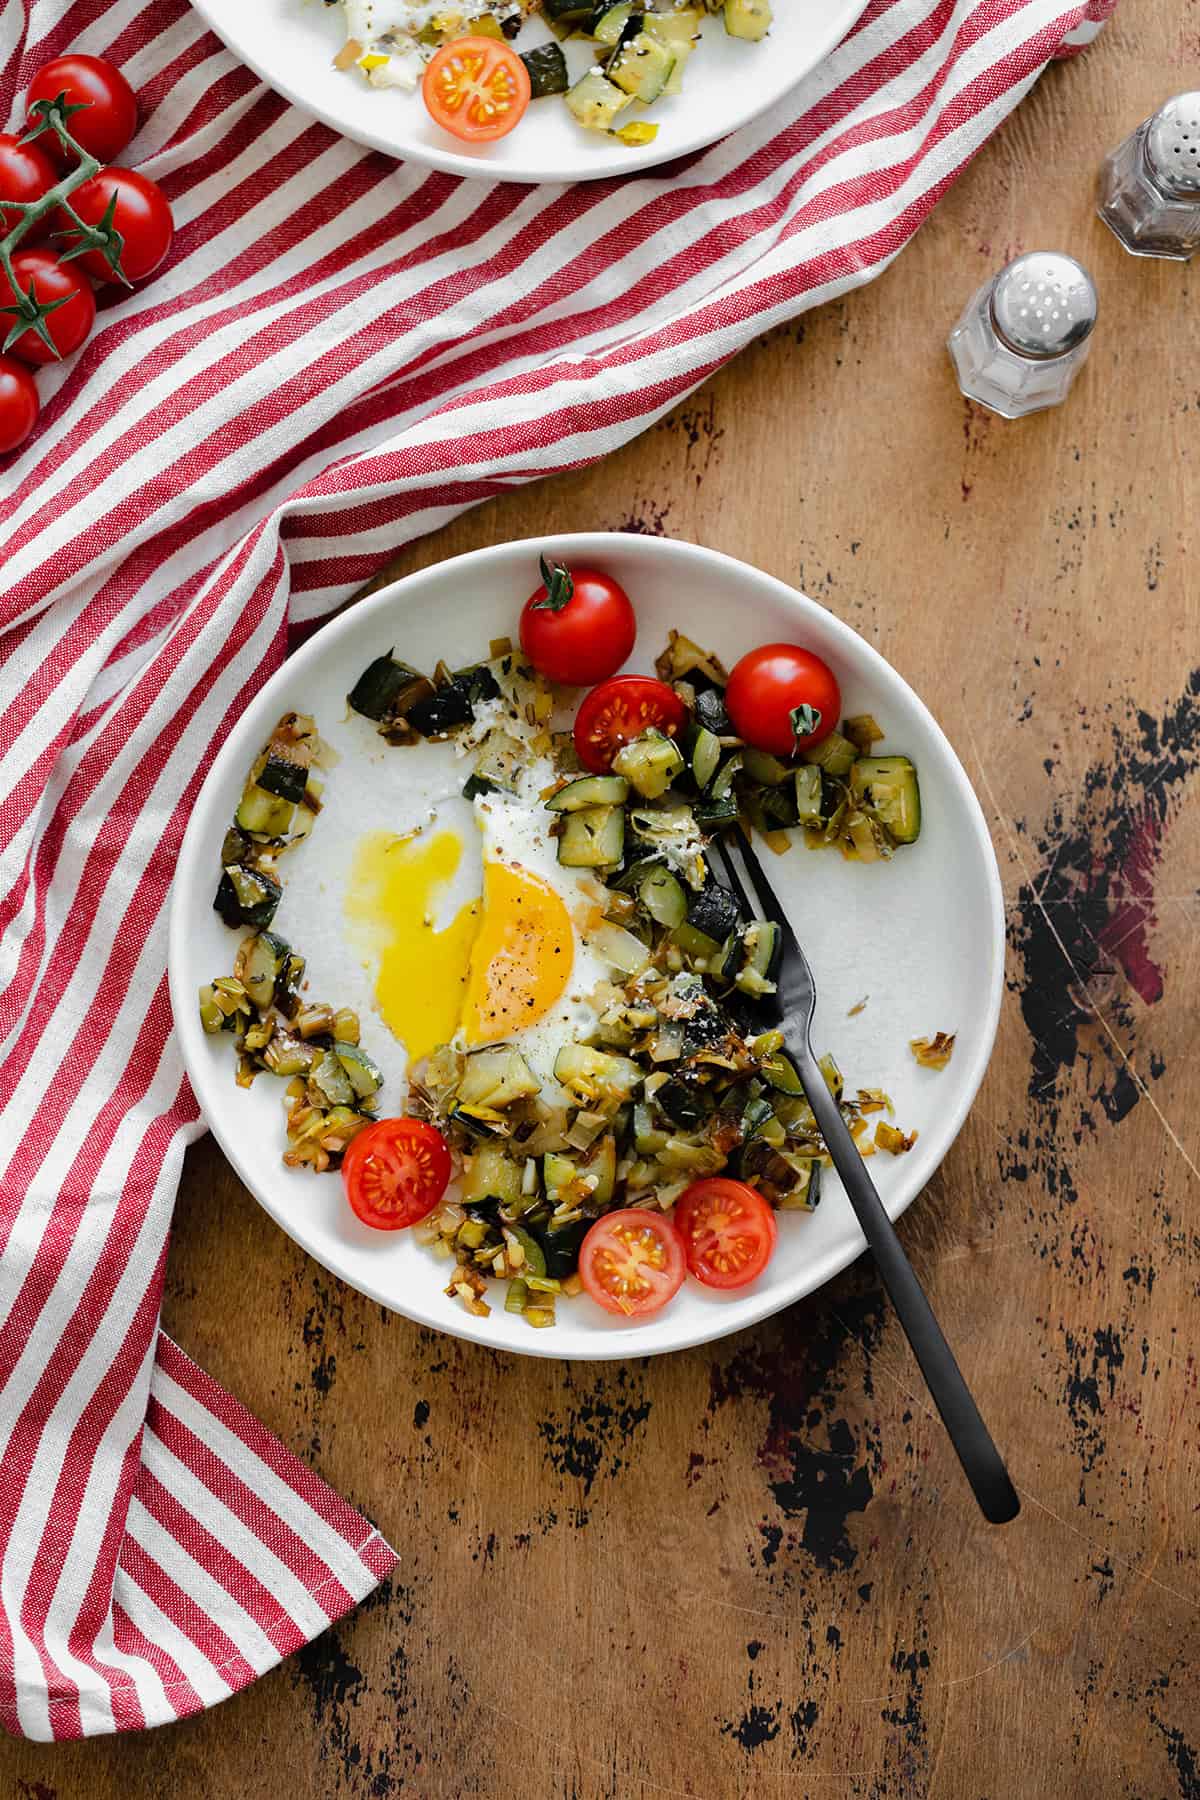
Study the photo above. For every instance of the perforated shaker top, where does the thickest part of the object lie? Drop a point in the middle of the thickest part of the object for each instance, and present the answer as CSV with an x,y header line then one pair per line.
x,y
1043,304
1173,147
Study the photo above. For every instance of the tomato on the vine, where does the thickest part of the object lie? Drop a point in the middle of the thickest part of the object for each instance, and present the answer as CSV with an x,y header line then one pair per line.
x,y
59,286
631,1262
140,214
579,626
728,1231
477,89
783,699
107,118
26,173
18,403
395,1172
618,711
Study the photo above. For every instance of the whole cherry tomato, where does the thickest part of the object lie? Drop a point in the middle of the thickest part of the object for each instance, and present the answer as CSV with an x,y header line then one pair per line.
x,y
108,118
395,1172
579,626
18,403
477,89
141,216
783,699
59,285
618,711
26,173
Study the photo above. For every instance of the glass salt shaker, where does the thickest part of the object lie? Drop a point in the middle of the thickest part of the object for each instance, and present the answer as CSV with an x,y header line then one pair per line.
x,y
1025,334
1150,185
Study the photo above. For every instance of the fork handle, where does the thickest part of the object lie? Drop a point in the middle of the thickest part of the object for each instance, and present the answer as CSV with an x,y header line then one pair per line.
x,y
981,1461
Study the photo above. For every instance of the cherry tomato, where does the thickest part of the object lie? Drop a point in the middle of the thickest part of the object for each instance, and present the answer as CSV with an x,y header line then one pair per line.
x,y
783,699
619,710
57,284
109,116
26,173
477,89
579,626
141,216
728,1231
632,1262
18,403
395,1172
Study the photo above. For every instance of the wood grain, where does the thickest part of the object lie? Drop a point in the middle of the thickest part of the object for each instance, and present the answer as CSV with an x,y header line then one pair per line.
x,y
754,1569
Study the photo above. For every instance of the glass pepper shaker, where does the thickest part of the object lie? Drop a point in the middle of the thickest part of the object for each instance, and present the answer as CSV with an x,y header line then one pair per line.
x,y
1025,334
1150,185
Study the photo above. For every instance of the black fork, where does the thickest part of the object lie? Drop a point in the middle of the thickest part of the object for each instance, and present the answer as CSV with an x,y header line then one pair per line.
x,y
792,1007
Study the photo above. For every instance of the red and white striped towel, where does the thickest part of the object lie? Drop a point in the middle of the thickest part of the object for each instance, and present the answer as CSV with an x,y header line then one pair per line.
x,y
341,354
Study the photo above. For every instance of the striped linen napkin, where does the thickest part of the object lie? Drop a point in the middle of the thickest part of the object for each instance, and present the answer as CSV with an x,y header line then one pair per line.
x,y
340,355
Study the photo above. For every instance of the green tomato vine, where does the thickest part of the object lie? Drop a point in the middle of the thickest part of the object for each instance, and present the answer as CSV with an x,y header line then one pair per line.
x,y
28,312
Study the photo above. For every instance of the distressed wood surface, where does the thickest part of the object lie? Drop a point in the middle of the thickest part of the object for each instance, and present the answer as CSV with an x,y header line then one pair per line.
x,y
753,1569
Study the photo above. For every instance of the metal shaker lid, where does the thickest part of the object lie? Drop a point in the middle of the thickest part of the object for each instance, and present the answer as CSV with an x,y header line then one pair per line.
x,y
1043,304
1173,147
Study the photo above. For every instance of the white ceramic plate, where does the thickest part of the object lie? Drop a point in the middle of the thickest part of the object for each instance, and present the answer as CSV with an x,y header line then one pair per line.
x,y
921,938
291,45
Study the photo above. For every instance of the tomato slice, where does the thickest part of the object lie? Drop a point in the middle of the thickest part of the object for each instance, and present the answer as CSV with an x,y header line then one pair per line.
x,y
476,88
619,710
395,1172
728,1231
632,1262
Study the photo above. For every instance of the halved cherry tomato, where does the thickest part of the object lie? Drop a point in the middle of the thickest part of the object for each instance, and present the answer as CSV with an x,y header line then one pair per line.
x,y
578,627
26,173
141,217
108,111
395,1172
783,699
619,710
476,88
59,286
632,1262
728,1231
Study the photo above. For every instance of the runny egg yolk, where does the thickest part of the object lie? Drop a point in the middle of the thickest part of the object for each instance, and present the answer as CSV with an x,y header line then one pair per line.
x,y
393,896
522,957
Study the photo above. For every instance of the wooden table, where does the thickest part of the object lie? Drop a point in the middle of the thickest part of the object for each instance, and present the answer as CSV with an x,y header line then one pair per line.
x,y
754,1569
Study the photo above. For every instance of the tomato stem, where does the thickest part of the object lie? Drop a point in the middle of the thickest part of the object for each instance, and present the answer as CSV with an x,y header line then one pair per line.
x,y
30,313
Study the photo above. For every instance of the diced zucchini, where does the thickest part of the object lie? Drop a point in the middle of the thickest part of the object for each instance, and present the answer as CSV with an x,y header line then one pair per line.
x,y
711,713
381,684
601,1167
722,781
261,961
832,1074
714,812
750,19
650,763
764,768
714,911
663,897
567,12
835,754
247,896
590,790
442,711
560,1245
761,944
547,68
516,1295
560,1178
211,1016
888,785
496,1078
680,32
283,776
808,795
705,754
620,948
332,1081
534,1258
263,814
701,950
806,1194
610,22
491,1175
641,67
366,1077
592,838
647,1137
596,1074
595,101
475,785
682,1102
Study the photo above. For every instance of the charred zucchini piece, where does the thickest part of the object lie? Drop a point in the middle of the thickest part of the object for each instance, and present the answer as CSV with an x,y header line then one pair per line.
x,y
750,19
680,32
590,790
560,1246
366,1077
714,811
601,1166
261,963
491,1175
442,711
282,776
263,814
595,101
609,23
381,684
697,946
247,896
761,944
705,753
496,1078
478,680
711,714
663,897
641,67
287,988
806,1194
835,754
780,1071
592,838
650,763
547,68
714,911
331,1081
567,12
888,785
683,1102
478,784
